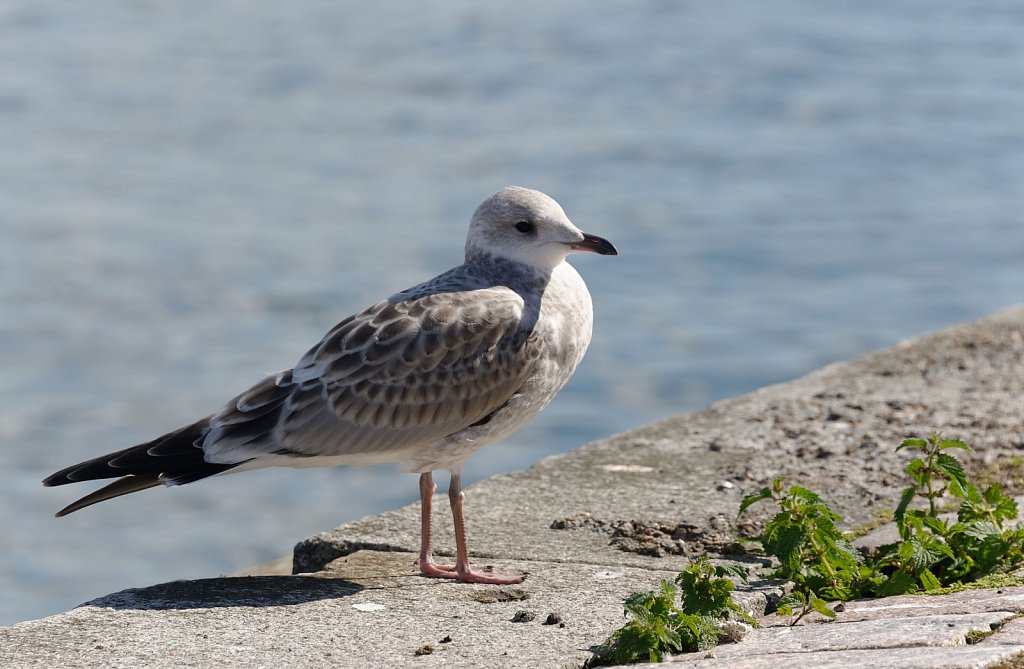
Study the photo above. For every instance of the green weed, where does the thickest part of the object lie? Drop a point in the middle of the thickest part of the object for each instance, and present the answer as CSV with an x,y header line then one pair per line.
x,y
812,552
935,551
683,615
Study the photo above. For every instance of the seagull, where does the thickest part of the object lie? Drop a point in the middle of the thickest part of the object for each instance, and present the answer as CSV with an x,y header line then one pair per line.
x,y
425,377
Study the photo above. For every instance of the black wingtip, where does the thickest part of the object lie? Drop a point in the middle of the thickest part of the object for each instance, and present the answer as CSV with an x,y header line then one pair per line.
x,y
122,486
60,478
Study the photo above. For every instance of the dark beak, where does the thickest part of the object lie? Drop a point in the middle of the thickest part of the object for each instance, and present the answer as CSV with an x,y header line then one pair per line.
x,y
595,244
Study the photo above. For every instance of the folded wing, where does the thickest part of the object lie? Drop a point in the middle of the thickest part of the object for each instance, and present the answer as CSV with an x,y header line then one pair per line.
x,y
399,375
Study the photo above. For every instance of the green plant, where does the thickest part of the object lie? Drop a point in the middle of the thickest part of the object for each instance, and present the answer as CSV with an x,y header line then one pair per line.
x,y
660,627
812,552
934,550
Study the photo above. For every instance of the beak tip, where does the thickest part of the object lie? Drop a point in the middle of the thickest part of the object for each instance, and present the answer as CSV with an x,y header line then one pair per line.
x,y
596,244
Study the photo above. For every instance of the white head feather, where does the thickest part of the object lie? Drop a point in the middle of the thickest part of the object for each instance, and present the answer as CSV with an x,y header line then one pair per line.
x,y
523,225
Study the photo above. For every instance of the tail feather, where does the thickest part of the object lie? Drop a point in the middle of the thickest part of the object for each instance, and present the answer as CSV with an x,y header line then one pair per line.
x,y
175,458
121,486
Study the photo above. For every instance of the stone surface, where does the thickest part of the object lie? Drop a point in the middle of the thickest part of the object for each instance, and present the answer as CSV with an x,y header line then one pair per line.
x,y
589,526
972,628
903,657
834,431
366,609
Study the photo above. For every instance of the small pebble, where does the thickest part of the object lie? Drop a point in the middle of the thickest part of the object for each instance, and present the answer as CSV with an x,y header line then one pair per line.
x,y
735,630
524,616
424,650
554,619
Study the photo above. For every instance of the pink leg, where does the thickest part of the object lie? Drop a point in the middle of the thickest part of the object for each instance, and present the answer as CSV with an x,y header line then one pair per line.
x,y
461,571
427,566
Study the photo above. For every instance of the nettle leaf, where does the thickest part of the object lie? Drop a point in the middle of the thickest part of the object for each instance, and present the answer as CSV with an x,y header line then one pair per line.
x,y
1002,507
942,549
974,495
980,530
702,592
787,549
951,467
731,570
915,518
974,506
791,557
990,505
825,534
646,638
846,553
637,602
789,602
916,554
1006,509
886,556
912,443
953,443
826,516
958,528
697,632
840,558
928,580
994,494
754,498
918,470
905,550
773,530
821,607
901,509
988,554
655,635
900,583
936,525
800,492
660,604
937,547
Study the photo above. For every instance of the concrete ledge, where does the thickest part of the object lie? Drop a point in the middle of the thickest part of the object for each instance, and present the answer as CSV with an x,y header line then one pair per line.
x,y
594,525
834,430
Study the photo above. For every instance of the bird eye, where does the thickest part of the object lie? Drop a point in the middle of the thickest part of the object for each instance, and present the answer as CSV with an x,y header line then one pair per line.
x,y
524,227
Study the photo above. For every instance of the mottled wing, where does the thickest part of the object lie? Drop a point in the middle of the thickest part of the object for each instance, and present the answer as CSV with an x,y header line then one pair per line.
x,y
401,374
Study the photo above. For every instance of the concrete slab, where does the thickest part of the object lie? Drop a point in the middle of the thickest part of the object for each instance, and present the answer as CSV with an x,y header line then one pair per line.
x,y
368,609
593,526
964,657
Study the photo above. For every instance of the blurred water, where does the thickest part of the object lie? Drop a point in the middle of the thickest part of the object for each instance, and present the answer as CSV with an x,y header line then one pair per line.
x,y
192,193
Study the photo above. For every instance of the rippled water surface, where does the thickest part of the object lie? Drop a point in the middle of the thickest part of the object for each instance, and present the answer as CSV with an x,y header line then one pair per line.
x,y
192,193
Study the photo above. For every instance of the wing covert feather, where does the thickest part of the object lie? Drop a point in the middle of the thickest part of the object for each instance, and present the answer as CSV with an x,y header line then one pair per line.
x,y
402,373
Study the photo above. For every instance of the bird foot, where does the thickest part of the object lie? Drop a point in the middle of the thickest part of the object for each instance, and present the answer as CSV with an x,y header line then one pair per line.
x,y
467,575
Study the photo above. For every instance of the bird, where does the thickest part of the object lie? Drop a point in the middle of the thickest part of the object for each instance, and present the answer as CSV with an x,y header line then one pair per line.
x,y
423,378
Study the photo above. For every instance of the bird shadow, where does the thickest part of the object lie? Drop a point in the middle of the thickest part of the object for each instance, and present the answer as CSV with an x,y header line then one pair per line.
x,y
226,592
